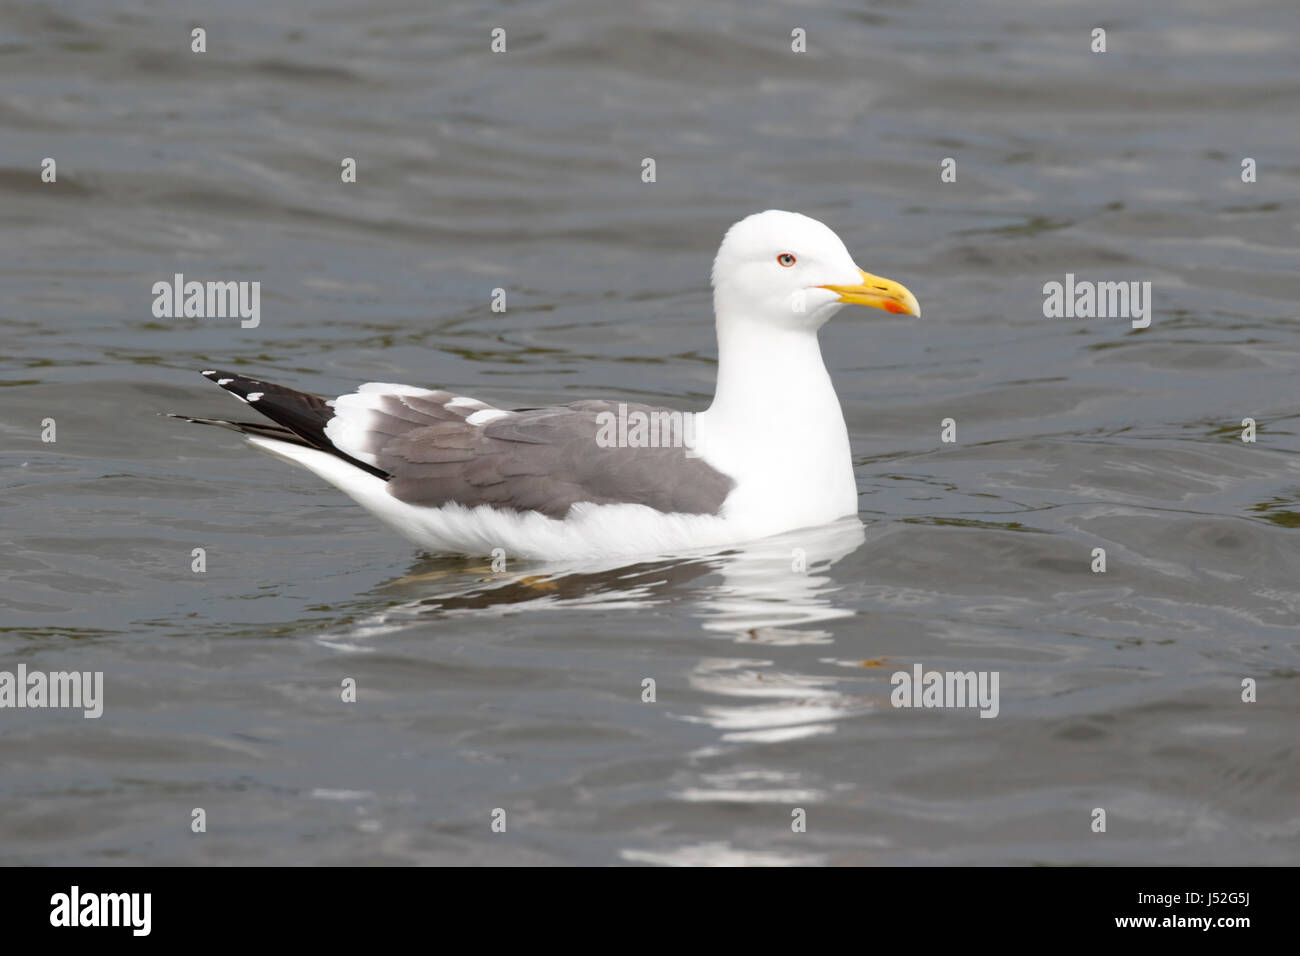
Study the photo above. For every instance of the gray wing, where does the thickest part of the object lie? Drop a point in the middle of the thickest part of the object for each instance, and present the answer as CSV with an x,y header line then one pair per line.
x,y
537,459
434,447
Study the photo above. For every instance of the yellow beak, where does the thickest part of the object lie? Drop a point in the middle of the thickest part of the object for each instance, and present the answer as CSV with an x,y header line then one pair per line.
x,y
880,293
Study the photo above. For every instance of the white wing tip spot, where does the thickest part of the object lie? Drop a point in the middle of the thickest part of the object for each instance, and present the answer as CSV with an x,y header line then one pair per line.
x,y
464,401
254,396
483,416
224,381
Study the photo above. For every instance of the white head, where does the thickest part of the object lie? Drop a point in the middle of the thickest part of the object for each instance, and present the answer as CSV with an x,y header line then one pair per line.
x,y
788,270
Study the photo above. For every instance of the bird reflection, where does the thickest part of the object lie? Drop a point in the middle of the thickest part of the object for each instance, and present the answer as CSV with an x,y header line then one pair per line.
x,y
769,593
756,605
766,591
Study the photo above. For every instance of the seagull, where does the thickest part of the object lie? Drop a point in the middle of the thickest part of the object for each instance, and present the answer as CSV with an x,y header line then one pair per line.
x,y
601,478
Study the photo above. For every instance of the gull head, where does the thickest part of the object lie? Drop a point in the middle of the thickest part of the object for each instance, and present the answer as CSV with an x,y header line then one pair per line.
x,y
789,270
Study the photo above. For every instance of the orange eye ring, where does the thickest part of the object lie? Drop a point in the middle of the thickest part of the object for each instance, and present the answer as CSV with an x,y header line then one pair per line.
x,y
786,260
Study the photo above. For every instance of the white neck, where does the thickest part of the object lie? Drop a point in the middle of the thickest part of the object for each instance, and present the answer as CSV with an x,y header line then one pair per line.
x,y
775,424
765,372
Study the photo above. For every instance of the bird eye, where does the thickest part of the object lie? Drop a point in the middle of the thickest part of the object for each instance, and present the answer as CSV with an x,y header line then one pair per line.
x,y
785,259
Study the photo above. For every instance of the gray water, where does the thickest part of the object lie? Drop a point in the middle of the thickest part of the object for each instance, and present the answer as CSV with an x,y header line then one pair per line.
x,y
522,691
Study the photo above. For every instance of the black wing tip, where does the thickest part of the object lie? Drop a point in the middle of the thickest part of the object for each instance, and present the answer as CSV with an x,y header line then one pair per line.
x,y
299,417
247,390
